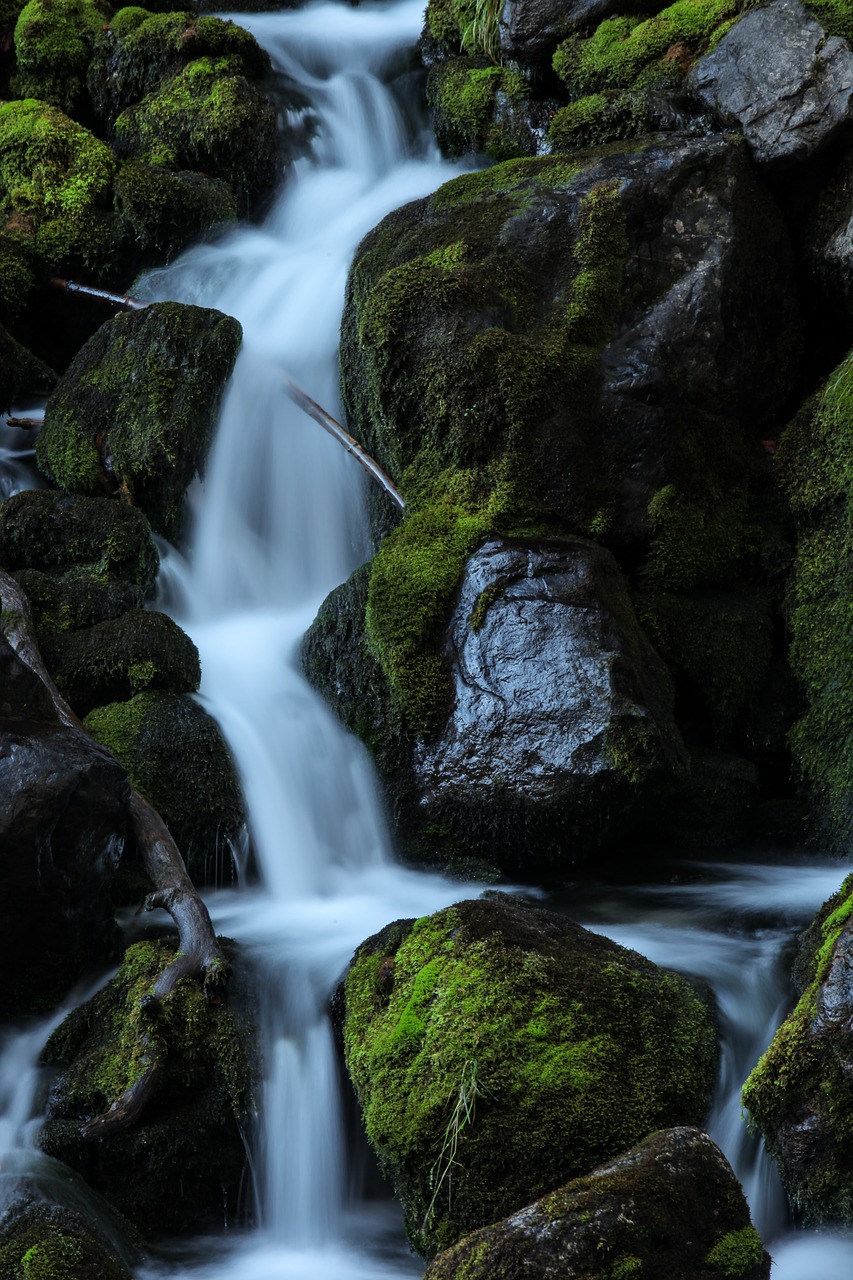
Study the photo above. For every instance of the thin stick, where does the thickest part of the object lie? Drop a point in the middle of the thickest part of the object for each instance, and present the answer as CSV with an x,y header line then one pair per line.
x,y
99,295
343,437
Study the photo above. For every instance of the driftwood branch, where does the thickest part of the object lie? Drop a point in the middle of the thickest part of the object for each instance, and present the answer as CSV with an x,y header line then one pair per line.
x,y
199,953
297,395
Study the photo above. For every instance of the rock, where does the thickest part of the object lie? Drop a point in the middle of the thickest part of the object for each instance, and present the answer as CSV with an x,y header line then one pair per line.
x,y
670,1207
63,817
487,109
498,1051
40,1240
121,657
54,40
175,755
136,409
779,77
829,238
180,1167
801,1095
20,371
165,212
529,30
561,720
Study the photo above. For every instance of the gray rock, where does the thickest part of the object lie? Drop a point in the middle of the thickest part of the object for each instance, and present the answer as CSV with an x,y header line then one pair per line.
x,y
560,702
669,1207
530,30
782,79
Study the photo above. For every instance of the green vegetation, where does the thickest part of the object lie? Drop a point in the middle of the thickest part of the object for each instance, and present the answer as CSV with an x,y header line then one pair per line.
x,y
580,1048
475,109
163,212
49,1244
737,1253
54,40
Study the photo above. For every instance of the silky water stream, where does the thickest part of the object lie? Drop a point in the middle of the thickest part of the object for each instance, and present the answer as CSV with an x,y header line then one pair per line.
x,y
277,524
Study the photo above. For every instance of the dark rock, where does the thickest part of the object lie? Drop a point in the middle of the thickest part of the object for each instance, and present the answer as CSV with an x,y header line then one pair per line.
x,y
20,370
181,1166
782,79
829,238
63,816
175,755
531,29
520,1047
486,109
136,409
78,598
562,711
671,1207
164,212
54,532
75,1239
121,657
801,1093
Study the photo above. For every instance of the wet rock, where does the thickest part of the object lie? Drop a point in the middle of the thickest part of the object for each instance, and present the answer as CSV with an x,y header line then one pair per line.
x,y
498,1051
121,657
829,238
165,212
486,109
182,1165
54,40
20,371
780,77
63,816
74,1239
135,411
801,1095
531,29
562,711
670,1207
176,756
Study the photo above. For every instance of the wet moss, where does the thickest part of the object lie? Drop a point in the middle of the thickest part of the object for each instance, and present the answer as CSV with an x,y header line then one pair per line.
x,y
54,40
44,1243
136,408
175,755
497,1051
738,1253
815,471
78,598
479,108
163,212
180,1166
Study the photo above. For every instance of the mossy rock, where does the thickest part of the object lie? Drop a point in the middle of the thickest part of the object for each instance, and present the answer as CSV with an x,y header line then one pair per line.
x,y
51,1242
163,212
140,51
670,1207
18,269
498,1051
121,657
175,755
800,1096
54,40
76,599
56,188
210,119
480,108
180,1167
815,473
135,410
54,532
20,370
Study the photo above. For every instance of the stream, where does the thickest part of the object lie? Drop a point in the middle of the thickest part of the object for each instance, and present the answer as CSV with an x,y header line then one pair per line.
x,y
277,523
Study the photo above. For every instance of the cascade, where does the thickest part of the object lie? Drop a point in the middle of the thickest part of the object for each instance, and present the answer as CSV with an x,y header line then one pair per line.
x,y
277,524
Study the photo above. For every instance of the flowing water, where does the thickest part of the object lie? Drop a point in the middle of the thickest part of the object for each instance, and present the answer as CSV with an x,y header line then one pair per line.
x,y
278,523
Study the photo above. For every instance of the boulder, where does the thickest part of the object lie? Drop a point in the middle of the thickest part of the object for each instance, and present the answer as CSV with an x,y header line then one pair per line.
x,y
63,818
561,719
670,1207
164,212
76,1240
135,411
800,1096
782,79
54,40
176,756
498,1051
180,1167
530,30
486,109
118,658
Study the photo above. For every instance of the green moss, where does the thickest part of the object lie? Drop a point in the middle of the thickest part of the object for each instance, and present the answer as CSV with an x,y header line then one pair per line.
x,y
53,44
600,118
737,1253
626,1266
479,109
164,211
697,536
799,1074
46,1243
127,20
466,404
551,1036
815,470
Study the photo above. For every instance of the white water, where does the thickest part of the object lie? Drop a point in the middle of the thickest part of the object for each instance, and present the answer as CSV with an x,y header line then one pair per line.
x,y
278,525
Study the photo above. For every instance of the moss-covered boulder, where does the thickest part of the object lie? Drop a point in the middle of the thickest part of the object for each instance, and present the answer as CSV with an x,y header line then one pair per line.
x,y
800,1095
670,1207
180,1167
54,533
498,1051
121,657
63,824
135,411
175,755
20,371
162,212
484,108
815,472
44,1241
56,189
54,40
